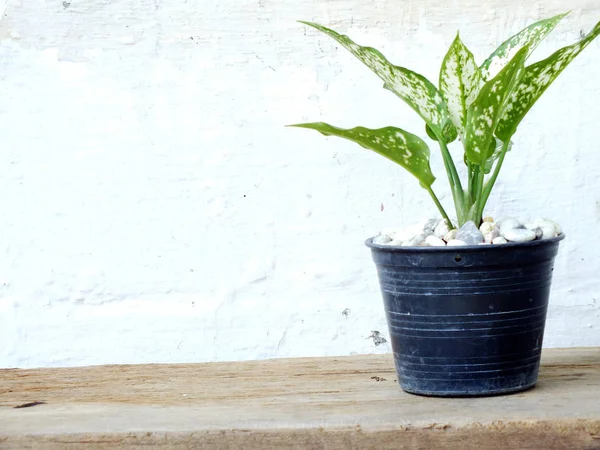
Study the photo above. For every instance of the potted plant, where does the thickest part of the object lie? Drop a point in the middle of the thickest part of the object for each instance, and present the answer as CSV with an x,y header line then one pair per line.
x,y
465,300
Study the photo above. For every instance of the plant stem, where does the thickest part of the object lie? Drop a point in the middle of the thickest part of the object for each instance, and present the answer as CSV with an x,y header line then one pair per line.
x,y
479,179
439,206
490,184
450,167
470,182
458,194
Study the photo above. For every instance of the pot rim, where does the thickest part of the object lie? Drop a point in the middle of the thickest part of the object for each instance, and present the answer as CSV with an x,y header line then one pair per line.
x,y
410,249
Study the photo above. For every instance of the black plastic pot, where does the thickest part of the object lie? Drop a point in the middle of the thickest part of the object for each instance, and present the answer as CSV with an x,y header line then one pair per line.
x,y
466,321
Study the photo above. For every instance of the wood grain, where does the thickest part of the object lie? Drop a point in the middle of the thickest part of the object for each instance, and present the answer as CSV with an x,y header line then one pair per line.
x,y
322,403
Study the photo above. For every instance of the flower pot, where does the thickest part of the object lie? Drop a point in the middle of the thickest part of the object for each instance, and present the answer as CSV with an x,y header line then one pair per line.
x,y
466,321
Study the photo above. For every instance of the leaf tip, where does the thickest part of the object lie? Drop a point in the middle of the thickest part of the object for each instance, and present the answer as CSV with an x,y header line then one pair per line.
x,y
311,125
310,24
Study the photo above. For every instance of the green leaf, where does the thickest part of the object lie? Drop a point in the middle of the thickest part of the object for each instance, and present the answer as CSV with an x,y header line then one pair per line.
x,y
484,113
418,92
534,82
529,37
430,133
496,150
400,146
460,80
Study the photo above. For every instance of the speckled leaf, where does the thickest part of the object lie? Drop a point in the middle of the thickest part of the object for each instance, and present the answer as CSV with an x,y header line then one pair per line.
x,y
534,82
484,113
400,146
496,149
460,80
418,92
529,37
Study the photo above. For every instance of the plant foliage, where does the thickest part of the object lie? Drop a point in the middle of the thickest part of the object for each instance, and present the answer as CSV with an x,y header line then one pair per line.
x,y
481,105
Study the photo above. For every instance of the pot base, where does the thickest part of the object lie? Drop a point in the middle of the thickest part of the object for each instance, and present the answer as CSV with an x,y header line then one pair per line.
x,y
464,392
460,394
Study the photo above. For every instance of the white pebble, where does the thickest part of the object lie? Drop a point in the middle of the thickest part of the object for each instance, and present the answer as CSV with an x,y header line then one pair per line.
x,y
430,225
548,232
487,228
518,235
403,234
415,241
547,223
469,233
557,227
450,235
389,232
382,239
509,223
489,238
537,230
437,232
434,241
441,229
456,243
499,240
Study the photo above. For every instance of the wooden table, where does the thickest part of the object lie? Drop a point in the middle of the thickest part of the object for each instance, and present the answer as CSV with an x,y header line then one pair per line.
x,y
314,403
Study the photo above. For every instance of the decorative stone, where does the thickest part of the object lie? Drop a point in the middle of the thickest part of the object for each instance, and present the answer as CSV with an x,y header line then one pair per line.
x,y
415,241
548,232
469,233
382,239
489,238
487,227
430,225
456,243
549,228
518,234
436,232
389,232
450,235
537,230
441,229
508,223
557,227
398,234
434,241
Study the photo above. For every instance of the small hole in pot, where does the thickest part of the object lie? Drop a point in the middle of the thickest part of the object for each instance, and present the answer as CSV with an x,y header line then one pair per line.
x,y
458,258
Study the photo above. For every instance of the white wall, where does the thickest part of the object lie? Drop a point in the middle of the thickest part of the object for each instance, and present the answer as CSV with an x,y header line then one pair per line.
x,y
154,209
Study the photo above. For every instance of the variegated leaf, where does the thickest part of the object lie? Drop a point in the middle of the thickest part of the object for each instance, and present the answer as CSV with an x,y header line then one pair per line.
x,y
460,80
534,82
529,37
418,92
497,149
483,115
400,146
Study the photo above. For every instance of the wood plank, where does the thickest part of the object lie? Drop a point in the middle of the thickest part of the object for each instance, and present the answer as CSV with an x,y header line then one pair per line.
x,y
329,403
